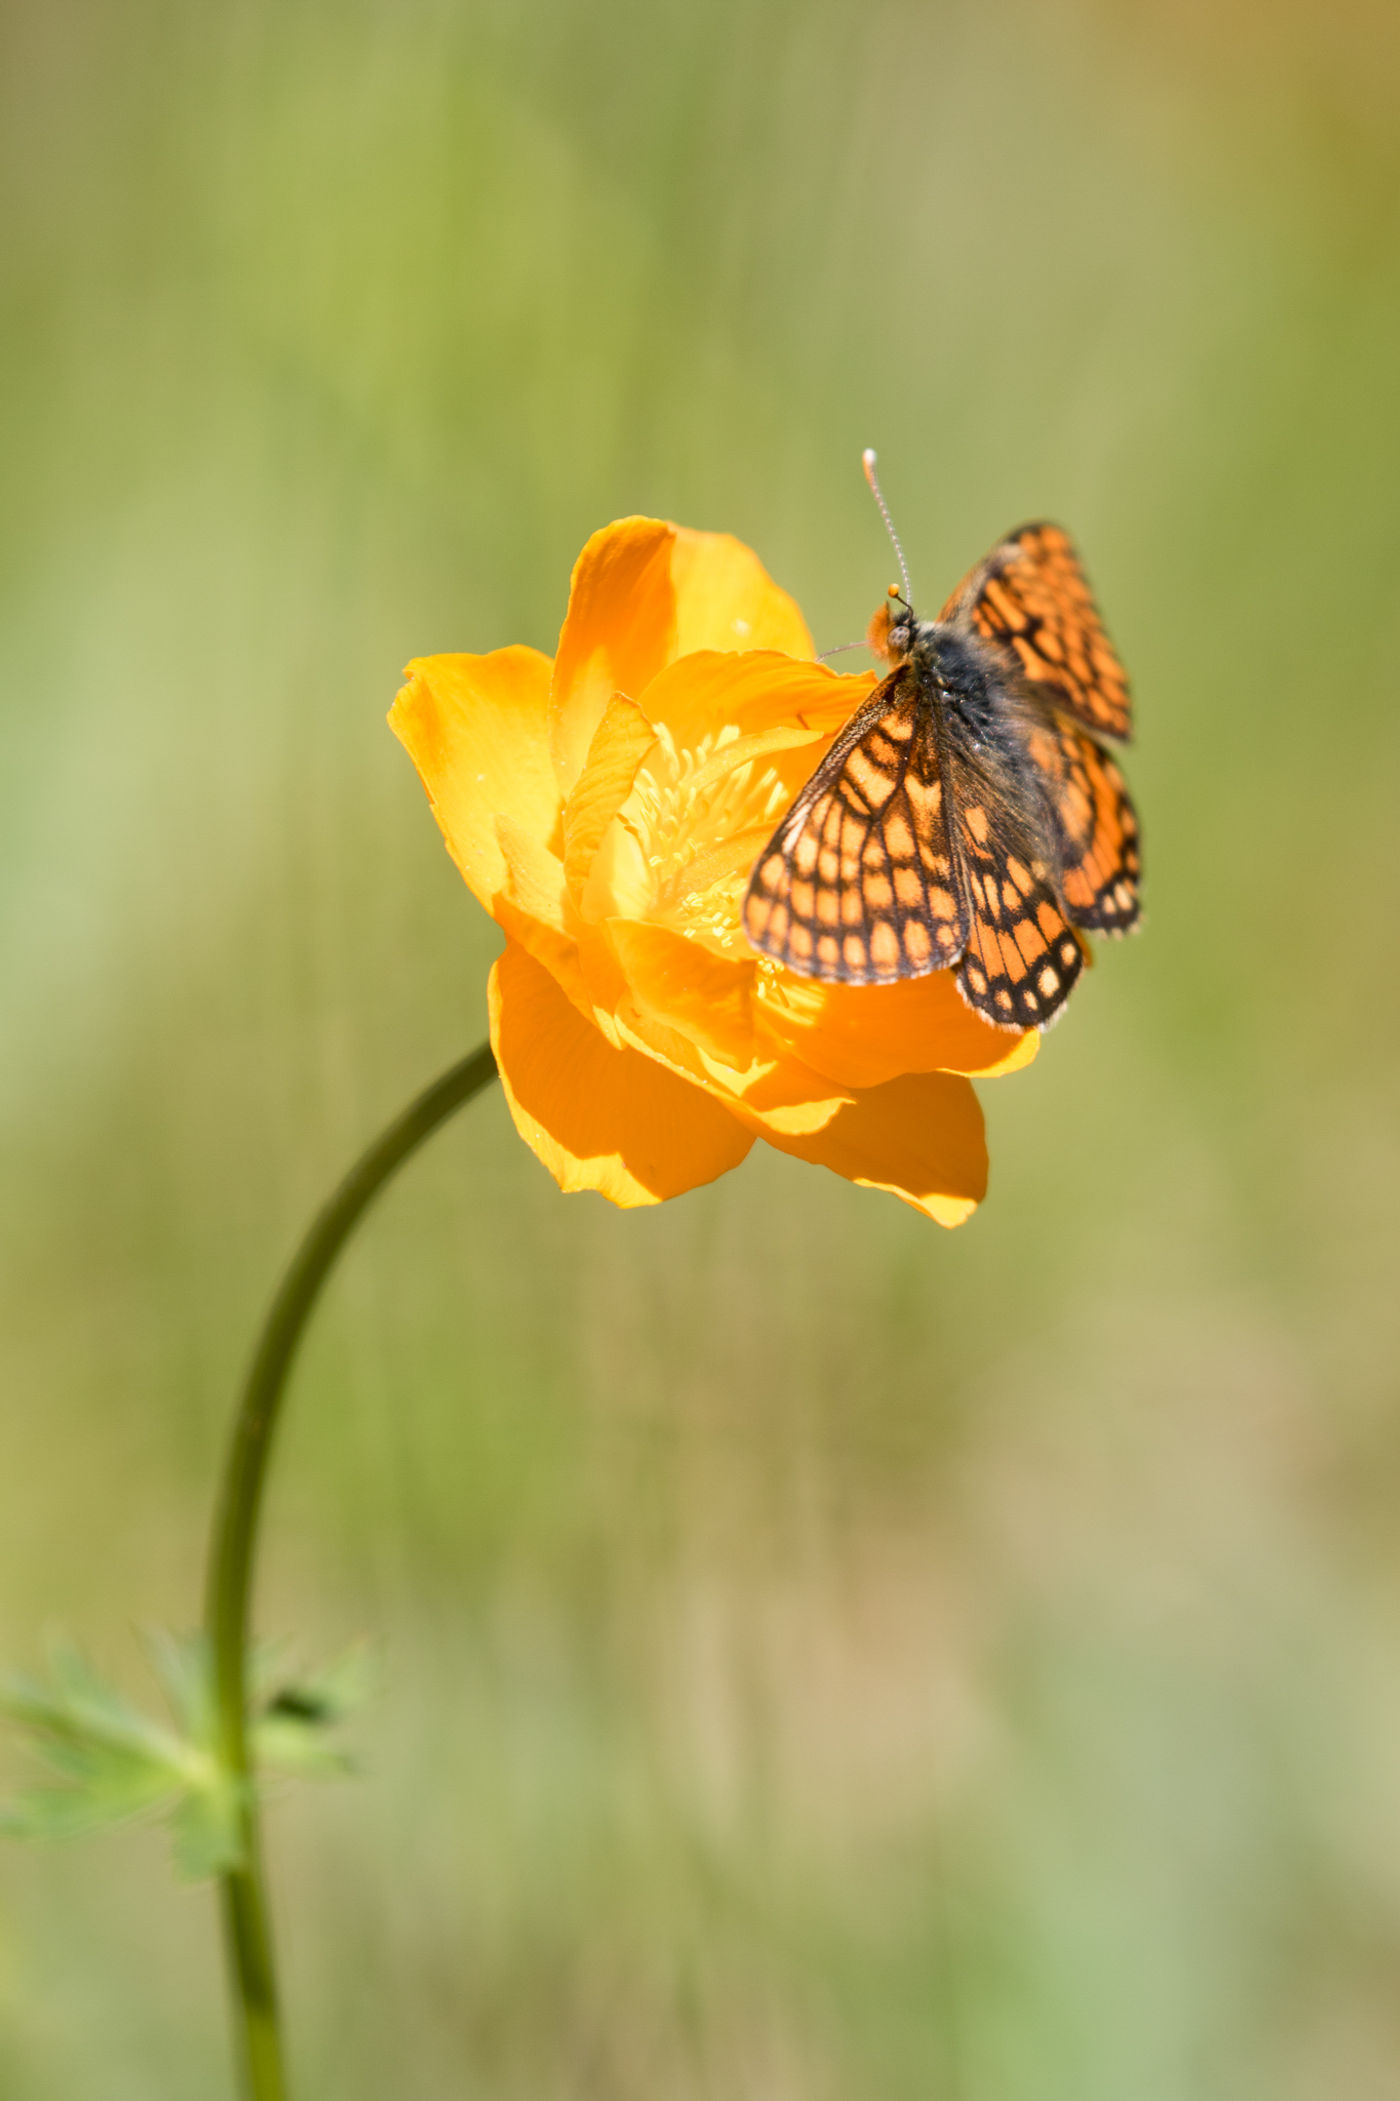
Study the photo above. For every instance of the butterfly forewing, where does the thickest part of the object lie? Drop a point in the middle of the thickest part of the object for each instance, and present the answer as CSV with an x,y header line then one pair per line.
x,y
858,885
1032,596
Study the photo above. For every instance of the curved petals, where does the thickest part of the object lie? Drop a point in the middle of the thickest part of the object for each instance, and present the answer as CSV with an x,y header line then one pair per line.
x,y
599,1118
534,905
787,1098
863,1035
683,986
620,743
475,727
920,1137
783,1095
755,691
617,633
644,592
725,599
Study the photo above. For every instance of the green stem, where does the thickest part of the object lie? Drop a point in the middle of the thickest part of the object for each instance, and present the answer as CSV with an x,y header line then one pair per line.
x,y
247,1936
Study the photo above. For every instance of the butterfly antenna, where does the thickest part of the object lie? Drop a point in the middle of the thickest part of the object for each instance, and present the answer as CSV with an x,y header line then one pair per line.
x,y
867,460
837,648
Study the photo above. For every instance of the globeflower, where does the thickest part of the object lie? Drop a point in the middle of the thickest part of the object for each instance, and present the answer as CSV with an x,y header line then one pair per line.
x,y
606,807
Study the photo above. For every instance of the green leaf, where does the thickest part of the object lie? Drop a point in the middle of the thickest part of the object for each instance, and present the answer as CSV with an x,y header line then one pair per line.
x,y
113,1763
289,1733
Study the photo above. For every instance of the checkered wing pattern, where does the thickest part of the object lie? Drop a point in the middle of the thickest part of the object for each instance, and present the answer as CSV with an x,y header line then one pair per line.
x,y
968,818
1031,595
1022,956
858,885
1100,857
863,883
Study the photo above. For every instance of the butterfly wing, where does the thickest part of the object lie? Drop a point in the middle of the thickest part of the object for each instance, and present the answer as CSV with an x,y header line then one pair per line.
x,y
1031,595
1099,849
858,885
1022,956
980,847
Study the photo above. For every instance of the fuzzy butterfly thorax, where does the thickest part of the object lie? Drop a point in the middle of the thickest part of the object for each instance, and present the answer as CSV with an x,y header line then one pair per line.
x,y
955,669
966,817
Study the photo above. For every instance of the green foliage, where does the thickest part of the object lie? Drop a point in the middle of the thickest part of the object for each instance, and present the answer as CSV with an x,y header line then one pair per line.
x,y
113,1762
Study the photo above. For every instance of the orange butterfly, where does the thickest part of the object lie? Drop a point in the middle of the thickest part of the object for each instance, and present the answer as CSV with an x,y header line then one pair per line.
x,y
967,817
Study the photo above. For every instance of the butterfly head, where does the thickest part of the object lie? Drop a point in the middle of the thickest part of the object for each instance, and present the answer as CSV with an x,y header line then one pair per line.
x,y
891,633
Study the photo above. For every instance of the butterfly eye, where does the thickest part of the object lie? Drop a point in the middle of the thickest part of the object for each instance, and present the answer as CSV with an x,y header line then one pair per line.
x,y
891,632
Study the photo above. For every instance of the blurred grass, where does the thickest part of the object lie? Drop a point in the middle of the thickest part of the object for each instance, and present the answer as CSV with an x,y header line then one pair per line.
x,y
823,1657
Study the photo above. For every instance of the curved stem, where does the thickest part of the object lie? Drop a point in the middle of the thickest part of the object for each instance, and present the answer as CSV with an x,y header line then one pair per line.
x,y
234,1544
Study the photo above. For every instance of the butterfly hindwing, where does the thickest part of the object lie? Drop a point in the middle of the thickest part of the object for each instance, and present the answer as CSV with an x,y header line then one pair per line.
x,y
1031,595
1099,853
1022,957
858,884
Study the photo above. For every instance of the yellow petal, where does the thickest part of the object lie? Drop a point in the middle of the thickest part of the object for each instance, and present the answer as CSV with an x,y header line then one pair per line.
x,y
618,632
476,729
733,748
599,1118
725,599
699,694
533,905
534,877
621,741
791,1100
644,592
919,1137
863,1035
777,1093
682,985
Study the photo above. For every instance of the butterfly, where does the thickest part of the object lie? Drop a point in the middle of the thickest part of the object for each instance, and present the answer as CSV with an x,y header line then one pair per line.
x,y
968,816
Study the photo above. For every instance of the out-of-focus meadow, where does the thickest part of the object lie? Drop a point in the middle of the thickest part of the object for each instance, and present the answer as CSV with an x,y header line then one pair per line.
x,y
821,1657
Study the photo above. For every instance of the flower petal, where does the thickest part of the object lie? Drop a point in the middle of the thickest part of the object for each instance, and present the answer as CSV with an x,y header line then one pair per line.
x,y
684,986
789,1099
618,632
699,694
533,904
733,748
863,1035
476,729
644,592
725,599
620,742
782,1095
920,1137
599,1118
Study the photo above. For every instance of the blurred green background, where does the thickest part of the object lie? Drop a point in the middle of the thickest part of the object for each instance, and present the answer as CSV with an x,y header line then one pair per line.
x,y
823,1659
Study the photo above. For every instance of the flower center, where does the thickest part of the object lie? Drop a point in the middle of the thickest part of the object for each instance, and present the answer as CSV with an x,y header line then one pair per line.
x,y
701,816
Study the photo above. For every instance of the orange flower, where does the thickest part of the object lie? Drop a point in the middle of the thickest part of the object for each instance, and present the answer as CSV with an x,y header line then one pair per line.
x,y
606,809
